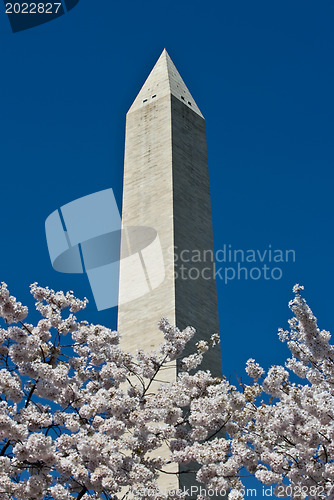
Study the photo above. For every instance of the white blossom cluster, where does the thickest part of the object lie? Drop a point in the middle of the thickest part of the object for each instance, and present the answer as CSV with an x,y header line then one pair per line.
x,y
78,418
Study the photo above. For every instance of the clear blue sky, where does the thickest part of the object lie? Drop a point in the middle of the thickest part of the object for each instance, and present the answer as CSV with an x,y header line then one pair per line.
x,y
261,73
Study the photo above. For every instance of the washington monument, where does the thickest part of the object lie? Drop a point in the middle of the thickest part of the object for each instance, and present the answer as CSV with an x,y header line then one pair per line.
x,y
166,190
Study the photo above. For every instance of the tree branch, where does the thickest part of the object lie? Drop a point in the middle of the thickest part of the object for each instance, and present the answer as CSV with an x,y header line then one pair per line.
x,y
82,492
4,449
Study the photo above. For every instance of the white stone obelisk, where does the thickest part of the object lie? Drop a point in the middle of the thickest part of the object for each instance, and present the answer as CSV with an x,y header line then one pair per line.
x,y
166,189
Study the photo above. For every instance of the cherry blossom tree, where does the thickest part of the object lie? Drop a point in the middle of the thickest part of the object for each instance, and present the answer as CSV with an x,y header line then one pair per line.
x,y
79,418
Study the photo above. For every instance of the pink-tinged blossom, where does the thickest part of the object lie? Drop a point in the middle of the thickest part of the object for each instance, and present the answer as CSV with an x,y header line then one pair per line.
x,y
82,421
